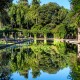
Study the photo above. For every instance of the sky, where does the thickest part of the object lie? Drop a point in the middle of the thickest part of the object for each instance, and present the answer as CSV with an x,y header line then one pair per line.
x,y
64,3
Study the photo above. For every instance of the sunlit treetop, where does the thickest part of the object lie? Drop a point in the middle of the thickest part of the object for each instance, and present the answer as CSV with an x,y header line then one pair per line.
x,y
35,2
25,2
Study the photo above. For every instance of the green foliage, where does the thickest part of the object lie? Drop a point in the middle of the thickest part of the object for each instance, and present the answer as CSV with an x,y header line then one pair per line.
x,y
2,42
59,31
33,14
4,4
25,32
24,2
45,30
12,13
36,29
18,14
76,11
75,5
51,17
4,18
36,2
46,12
62,15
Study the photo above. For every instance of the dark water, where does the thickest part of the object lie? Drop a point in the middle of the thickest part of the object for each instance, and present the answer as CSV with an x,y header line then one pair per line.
x,y
39,62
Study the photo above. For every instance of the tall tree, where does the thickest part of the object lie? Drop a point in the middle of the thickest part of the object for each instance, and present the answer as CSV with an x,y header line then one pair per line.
x,y
18,14
12,14
33,12
21,17
4,4
46,12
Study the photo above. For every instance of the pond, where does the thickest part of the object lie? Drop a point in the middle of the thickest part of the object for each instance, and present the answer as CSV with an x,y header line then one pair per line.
x,y
39,62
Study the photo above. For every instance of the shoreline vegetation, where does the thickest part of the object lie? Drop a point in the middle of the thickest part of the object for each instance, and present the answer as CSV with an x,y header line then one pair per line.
x,y
23,21
37,21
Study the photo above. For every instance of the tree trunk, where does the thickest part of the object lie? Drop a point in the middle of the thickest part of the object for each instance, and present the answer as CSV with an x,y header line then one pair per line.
x,y
45,38
36,20
35,39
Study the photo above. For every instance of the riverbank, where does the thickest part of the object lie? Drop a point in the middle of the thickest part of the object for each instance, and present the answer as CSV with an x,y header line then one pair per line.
x,y
9,41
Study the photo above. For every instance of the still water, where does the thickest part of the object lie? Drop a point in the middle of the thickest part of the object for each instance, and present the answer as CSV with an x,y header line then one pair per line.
x,y
39,62
60,75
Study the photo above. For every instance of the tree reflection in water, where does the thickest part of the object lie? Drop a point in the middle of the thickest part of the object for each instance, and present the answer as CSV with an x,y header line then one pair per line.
x,y
48,58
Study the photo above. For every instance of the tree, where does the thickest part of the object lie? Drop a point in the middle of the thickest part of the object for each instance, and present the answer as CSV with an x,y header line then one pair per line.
x,y
76,8
24,2
75,4
21,17
33,13
59,31
46,12
18,14
70,25
44,31
4,5
59,28
36,2
35,30
12,14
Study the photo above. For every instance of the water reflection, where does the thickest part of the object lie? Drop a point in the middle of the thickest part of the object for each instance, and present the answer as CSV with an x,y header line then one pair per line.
x,y
39,62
